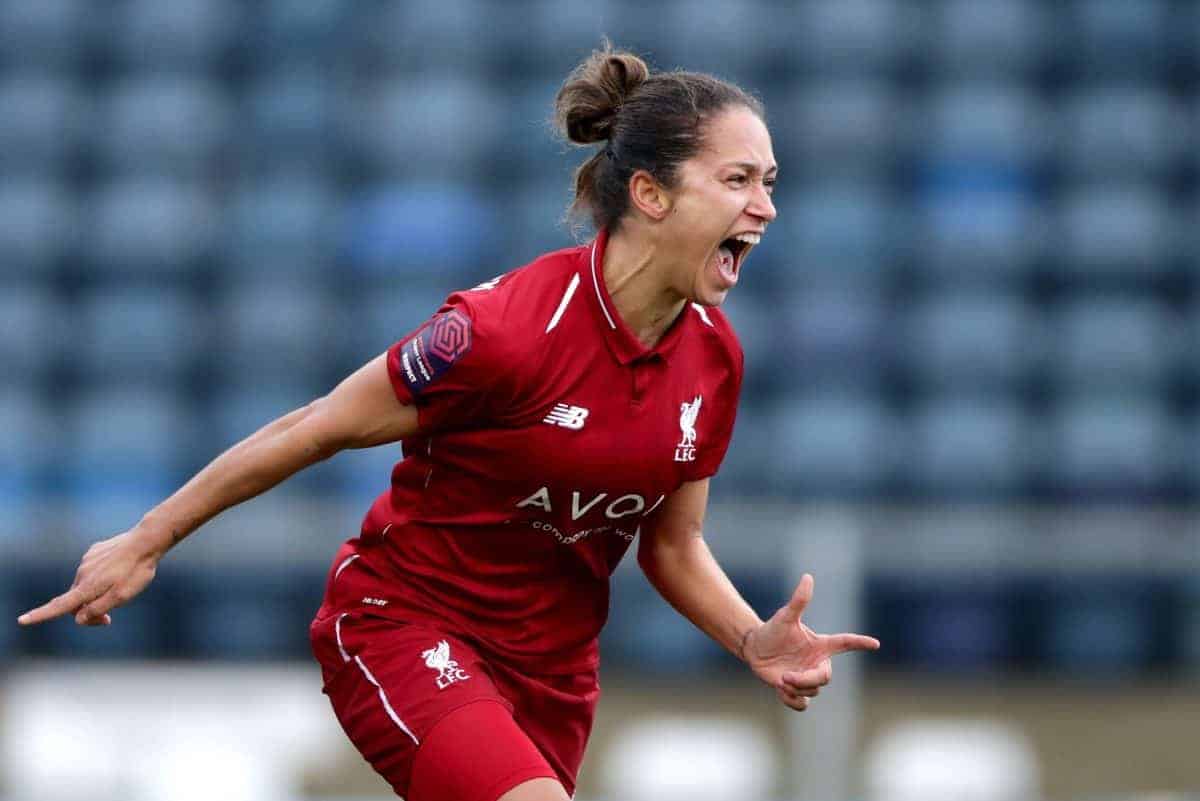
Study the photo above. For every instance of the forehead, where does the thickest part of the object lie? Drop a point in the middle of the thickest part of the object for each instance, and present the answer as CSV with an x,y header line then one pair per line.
x,y
737,135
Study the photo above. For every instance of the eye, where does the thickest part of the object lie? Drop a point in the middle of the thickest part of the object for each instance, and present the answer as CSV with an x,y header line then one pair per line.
x,y
769,183
739,180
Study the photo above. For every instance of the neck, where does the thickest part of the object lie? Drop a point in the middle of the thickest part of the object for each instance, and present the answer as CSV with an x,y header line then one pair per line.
x,y
638,280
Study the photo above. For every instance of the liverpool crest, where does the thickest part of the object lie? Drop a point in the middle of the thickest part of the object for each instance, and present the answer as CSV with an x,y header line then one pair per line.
x,y
438,658
685,451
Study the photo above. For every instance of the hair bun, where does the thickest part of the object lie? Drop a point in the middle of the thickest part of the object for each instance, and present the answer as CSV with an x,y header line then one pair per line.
x,y
587,104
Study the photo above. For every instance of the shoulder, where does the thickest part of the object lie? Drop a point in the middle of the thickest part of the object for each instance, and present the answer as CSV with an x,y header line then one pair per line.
x,y
504,314
719,337
520,298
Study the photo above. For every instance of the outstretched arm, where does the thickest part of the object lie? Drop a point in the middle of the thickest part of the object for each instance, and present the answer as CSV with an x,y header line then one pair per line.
x,y
360,412
782,652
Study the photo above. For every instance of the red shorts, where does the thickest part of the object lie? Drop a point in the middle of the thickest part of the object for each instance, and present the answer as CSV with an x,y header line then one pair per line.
x,y
440,723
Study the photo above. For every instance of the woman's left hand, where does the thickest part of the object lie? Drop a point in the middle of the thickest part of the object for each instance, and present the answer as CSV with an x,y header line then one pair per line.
x,y
791,657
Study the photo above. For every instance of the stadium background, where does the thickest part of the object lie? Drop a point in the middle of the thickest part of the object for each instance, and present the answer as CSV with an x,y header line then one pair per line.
x,y
972,404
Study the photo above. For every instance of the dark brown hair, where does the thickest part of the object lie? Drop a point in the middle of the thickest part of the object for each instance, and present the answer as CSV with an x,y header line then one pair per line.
x,y
652,122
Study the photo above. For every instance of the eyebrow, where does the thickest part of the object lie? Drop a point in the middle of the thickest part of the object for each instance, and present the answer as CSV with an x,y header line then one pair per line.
x,y
751,167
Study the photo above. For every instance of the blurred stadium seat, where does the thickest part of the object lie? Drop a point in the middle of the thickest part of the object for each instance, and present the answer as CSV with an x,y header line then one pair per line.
x,y
149,337
970,447
31,333
149,228
853,37
1111,343
446,232
993,39
291,115
840,230
1121,230
854,125
1115,37
176,35
39,224
1130,131
45,121
971,339
283,227
162,125
1122,446
46,34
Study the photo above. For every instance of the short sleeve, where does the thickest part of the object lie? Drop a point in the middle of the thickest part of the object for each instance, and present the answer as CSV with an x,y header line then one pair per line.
x,y
449,368
709,458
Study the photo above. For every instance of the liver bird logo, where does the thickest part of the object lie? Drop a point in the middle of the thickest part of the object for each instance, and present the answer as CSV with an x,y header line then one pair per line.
x,y
438,658
688,412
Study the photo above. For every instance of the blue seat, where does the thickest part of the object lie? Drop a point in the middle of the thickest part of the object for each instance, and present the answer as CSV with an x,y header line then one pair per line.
x,y
126,448
973,446
387,311
180,35
433,35
45,121
976,225
291,116
843,126
39,223
836,443
1116,38
1121,231
44,35
445,231
556,36
149,227
293,31
32,333
830,334
147,336
835,230
711,37
970,340
162,125
1121,131
362,474
391,141
852,37
29,438
283,227
266,330
1118,446
993,39
990,122
1101,629
1111,343
535,219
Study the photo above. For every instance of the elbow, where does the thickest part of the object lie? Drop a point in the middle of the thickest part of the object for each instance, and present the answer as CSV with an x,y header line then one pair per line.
x,y
323,435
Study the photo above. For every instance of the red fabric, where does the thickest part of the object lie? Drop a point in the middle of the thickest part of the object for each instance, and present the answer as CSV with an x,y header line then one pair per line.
x,y
475,753
465,725
550,438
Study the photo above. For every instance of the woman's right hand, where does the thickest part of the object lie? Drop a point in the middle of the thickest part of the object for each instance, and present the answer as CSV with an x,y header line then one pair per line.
x,y
111,573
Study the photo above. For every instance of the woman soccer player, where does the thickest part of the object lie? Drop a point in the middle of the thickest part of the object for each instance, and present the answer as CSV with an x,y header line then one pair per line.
x,y
548,417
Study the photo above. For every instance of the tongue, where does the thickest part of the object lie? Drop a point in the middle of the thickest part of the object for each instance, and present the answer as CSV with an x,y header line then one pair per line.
x,y
725,261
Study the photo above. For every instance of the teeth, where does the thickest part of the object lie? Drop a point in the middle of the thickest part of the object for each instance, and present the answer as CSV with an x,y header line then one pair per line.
x,y
750,239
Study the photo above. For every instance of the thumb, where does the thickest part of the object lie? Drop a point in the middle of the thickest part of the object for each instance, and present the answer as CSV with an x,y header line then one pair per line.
x,y
799,601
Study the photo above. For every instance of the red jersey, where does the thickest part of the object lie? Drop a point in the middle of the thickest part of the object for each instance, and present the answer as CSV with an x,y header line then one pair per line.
x,y
550,436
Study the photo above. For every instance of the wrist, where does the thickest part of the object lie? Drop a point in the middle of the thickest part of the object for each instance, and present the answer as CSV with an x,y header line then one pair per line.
x,y
741,650
156,536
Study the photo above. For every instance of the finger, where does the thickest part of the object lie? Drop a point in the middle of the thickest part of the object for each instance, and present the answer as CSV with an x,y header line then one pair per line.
x,y
93,620
68,602
800,598
799,704
842,643
806,692
813,677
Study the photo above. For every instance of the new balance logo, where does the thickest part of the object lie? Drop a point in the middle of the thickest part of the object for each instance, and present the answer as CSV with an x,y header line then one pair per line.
x,y
571,417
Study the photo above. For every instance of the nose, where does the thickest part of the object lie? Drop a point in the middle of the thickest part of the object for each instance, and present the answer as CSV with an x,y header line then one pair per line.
x,y
761,206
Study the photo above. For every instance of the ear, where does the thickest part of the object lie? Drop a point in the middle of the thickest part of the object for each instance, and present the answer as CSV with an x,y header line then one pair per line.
x,y
649,196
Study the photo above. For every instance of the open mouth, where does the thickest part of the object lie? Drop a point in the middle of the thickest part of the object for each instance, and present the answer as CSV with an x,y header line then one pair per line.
x,y
732,253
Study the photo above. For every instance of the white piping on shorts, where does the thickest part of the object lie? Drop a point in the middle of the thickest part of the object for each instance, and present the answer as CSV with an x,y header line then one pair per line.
x,y
387,706
562,305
